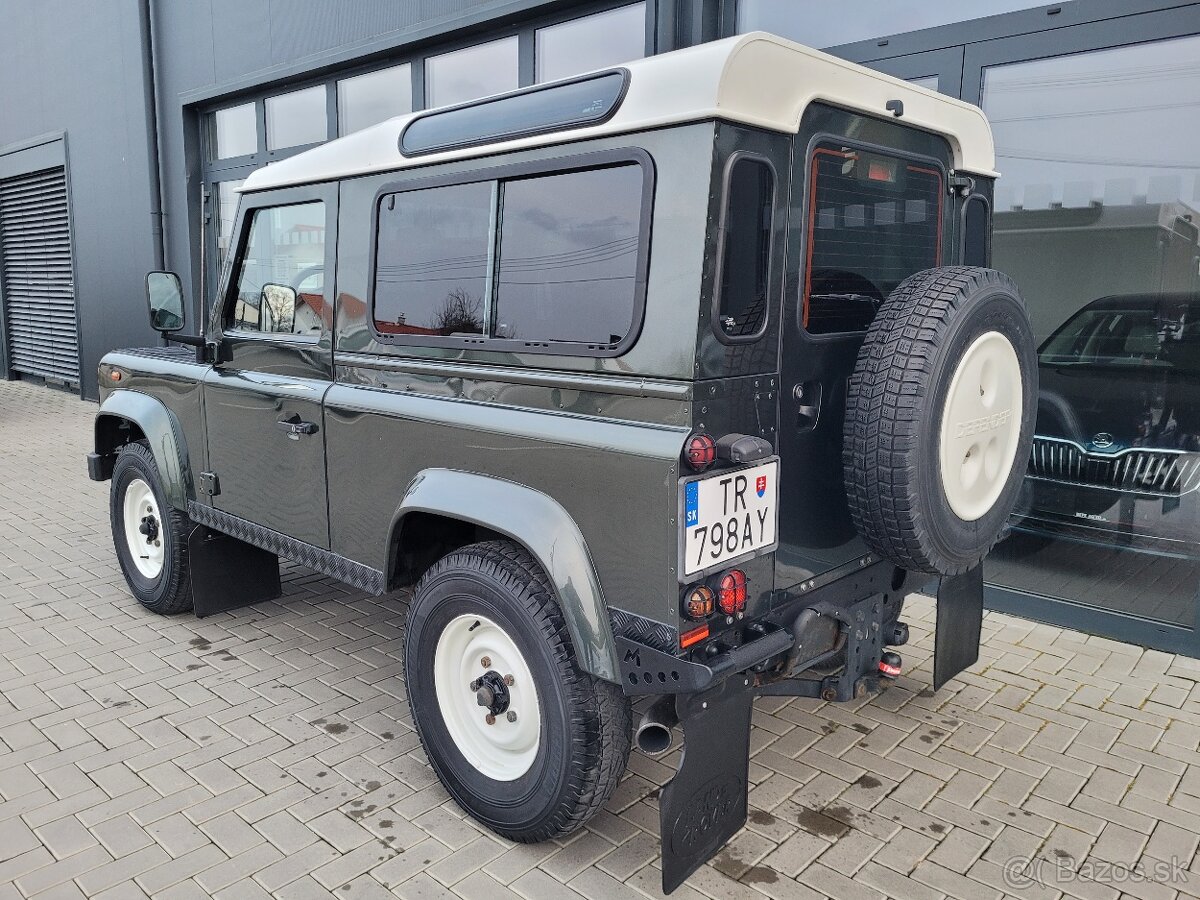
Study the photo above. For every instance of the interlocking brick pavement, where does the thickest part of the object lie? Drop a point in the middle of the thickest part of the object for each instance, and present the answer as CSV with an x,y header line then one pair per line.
x,y
269,751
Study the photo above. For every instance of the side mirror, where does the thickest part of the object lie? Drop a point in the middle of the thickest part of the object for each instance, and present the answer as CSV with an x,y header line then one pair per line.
x,y
277,308
165,295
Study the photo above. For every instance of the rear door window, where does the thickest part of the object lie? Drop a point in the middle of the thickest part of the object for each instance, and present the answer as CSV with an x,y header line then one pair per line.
x,y
873,220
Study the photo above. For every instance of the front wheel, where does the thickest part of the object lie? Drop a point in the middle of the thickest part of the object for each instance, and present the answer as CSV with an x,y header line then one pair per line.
x,y
521,737
150,536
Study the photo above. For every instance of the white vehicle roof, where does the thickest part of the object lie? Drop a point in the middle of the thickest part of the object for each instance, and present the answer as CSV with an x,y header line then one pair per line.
x,y
755,79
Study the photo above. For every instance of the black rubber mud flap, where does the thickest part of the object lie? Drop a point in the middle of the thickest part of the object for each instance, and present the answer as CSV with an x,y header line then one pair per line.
x,y
959,621
704,805
228,573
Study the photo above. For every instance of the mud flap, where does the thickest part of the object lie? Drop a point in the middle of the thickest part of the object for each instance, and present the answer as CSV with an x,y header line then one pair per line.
x,y
704,805
959,621
228,573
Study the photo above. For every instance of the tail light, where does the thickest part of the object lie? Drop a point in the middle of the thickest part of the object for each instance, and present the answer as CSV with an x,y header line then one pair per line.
x,y
700,452
889,664
700,602
731,595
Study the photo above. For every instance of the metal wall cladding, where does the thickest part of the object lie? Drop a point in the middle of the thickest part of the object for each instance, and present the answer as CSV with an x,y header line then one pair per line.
x,y
38,282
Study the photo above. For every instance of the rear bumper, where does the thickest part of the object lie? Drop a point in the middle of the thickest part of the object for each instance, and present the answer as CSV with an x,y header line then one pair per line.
x,y
646,670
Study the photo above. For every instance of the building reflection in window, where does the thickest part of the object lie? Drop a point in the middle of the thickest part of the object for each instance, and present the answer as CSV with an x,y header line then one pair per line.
x,y
1097,217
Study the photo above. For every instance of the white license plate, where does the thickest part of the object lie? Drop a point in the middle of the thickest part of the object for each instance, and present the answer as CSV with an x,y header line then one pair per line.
x,y
729,514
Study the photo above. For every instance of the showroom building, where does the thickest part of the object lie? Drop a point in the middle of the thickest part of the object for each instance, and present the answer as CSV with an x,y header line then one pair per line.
x,y
126,128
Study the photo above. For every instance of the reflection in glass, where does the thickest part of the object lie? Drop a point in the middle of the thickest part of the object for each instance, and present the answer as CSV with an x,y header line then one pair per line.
x,y
592,42
471,73
857,20
286,248
235,131
929,82
227,201
432,260
372,98
567,266
297,118
1097,220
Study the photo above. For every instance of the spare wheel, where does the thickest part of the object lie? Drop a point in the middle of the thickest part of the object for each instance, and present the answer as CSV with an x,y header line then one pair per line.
x,y
939,418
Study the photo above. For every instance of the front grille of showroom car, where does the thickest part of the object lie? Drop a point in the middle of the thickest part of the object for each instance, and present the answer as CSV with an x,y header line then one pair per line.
x,y
1166,473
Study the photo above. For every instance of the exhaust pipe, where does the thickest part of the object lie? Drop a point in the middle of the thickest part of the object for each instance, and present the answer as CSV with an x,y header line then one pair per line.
x,y
654,735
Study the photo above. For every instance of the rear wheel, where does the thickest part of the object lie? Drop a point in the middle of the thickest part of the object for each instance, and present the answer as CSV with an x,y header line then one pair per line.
x,y
150,535
521,737
939,419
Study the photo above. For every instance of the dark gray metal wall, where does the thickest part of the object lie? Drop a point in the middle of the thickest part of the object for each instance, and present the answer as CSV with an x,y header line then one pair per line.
x,y
206,49
75,66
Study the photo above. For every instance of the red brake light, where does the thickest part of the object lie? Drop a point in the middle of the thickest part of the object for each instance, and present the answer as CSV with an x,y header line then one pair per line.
x,y
732,594
700,602
700,452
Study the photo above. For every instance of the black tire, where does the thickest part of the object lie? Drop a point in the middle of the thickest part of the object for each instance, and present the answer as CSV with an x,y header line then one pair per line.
x,y
171,590
894,408
585,722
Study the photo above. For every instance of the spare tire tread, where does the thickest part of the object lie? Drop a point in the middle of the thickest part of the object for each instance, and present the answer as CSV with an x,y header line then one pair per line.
x,y
885,412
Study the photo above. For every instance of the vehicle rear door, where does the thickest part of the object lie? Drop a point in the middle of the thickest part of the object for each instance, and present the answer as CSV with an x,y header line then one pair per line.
x,y
263,402
875,210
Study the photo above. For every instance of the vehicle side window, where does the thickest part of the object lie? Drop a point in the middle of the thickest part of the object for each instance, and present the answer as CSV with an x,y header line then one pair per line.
x,y
534,260
432,260
873,220
746,254
280,275
568,257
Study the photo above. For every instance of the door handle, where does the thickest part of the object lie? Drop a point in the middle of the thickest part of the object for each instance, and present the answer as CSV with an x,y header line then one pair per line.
x,y
295,426
808,396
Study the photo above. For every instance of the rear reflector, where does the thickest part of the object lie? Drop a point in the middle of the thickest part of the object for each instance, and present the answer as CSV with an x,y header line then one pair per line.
x,y
695,636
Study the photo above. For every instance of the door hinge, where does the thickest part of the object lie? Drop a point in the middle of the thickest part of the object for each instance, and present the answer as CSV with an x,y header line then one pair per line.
x,y
961,184
210,484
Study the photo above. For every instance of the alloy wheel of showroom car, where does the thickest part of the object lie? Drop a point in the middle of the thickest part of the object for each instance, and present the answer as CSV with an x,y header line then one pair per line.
x,y
939,419
521,737
149,534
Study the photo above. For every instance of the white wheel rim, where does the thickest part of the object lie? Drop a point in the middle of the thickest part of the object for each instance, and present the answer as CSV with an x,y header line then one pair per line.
x,y
146,548
469,648
981,426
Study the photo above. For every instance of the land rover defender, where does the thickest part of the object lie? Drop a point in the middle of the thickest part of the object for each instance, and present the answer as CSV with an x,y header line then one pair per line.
x,y
668,381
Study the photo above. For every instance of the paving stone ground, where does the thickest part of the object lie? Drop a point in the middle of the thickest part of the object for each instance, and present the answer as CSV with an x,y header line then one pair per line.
x,y
269,752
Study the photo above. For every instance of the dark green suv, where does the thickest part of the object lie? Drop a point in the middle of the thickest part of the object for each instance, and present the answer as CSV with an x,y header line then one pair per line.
x,y
667,381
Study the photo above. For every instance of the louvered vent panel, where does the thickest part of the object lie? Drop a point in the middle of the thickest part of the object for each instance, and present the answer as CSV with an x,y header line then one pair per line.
x,y
38,289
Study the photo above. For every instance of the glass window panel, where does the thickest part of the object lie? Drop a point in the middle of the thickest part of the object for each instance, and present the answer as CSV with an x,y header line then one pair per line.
x,y
236,131
567,267
374,97
432,260
1097,220
472,73
813,24
592,42
746,261
929,82
227,202
875,220
297,118
285,248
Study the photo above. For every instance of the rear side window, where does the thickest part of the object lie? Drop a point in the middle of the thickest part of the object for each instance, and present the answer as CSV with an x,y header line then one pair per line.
x,y
567,265
432,264
548,259
746,249
873,220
